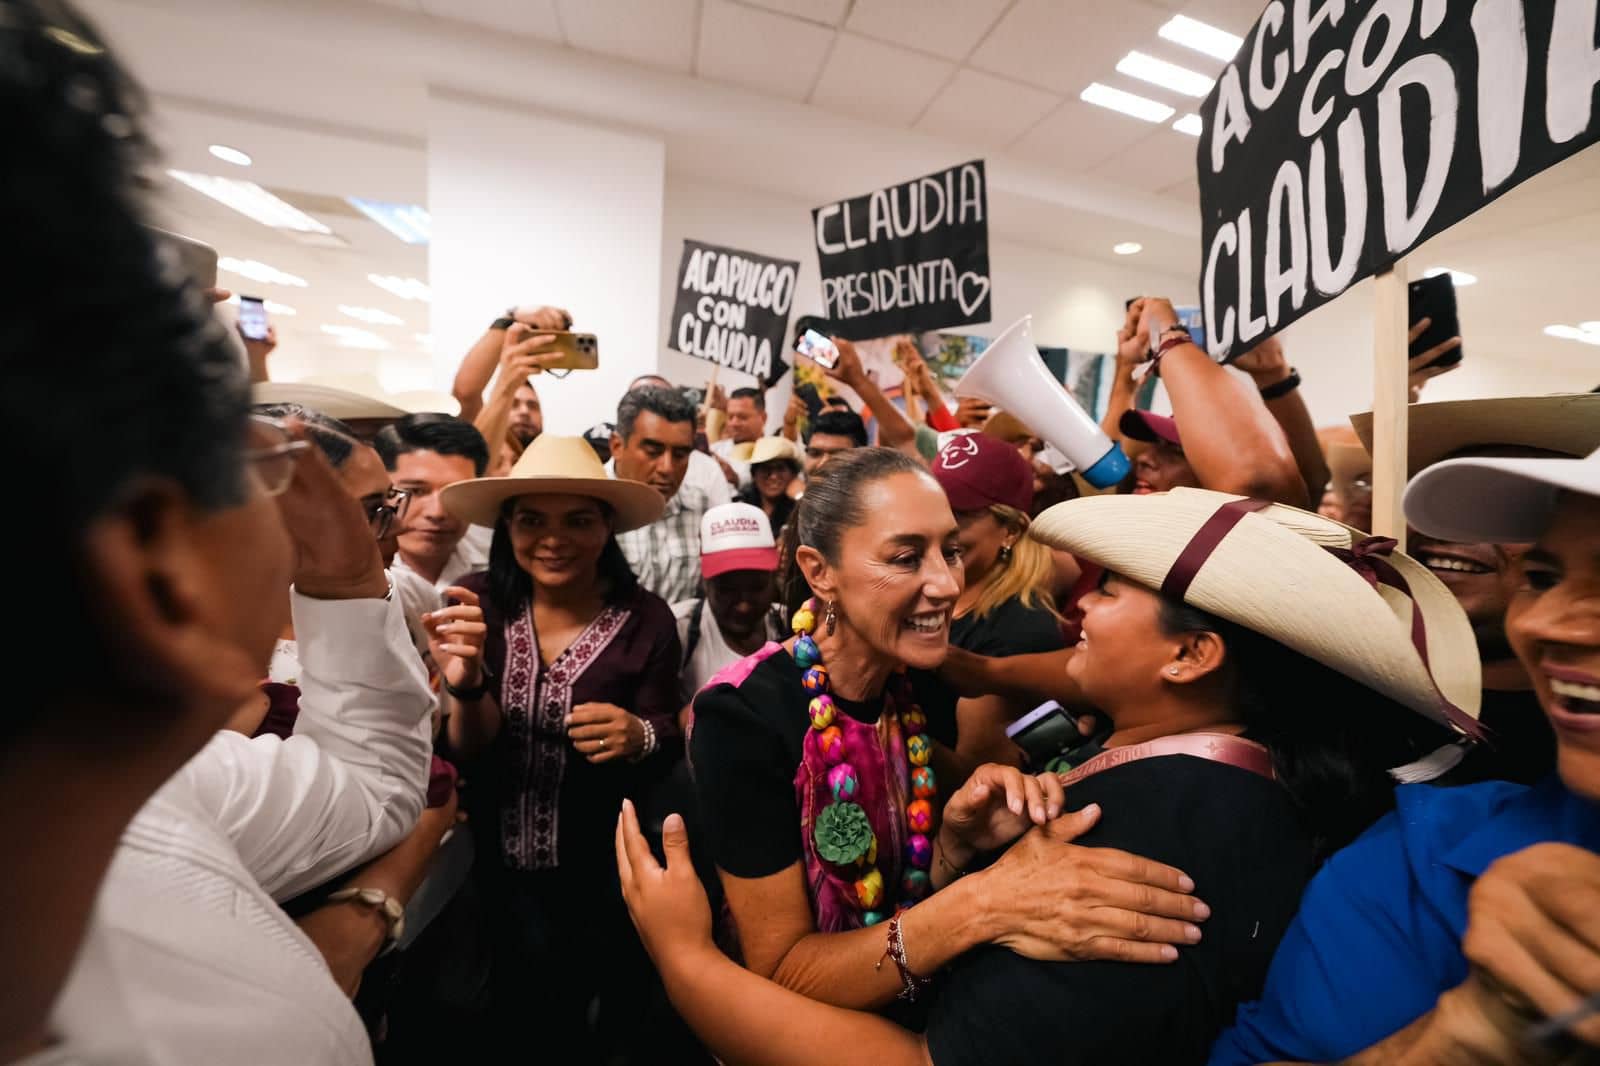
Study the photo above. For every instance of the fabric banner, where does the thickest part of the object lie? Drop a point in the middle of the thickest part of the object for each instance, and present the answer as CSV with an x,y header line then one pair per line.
x,y
1343,135
733,309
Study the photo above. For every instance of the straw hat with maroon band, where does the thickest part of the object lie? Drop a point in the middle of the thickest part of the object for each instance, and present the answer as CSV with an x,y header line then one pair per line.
x,y
736,536
1321,588
1149,427
977,471
1568,424
555,466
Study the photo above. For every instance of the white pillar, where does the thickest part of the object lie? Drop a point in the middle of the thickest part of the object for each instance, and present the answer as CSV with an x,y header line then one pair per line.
x,y
530,208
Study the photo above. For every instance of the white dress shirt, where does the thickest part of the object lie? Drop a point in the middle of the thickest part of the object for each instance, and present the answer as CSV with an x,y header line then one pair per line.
x,y
723,449
470,556
705,474
188,959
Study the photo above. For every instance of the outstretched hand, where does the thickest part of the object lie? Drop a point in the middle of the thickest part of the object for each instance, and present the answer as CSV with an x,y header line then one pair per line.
x,y
456,636
995,806
667,903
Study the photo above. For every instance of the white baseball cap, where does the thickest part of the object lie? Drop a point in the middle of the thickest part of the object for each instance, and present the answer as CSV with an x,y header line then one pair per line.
x,y
1495,501
736,536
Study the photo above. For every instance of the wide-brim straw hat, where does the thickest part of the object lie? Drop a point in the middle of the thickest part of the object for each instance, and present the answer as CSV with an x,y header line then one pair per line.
x,y
555,466
771,449
356,396
1568,423
1272,571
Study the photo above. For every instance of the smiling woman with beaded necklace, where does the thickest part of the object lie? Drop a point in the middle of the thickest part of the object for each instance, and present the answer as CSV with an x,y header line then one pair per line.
x,y
818,773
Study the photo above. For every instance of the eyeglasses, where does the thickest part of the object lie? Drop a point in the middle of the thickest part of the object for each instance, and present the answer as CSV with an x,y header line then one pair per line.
x,y
384,513
270,450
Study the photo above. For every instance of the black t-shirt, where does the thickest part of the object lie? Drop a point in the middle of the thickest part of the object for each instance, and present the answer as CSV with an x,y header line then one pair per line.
x,y
1010,629
745,749
1236,834
1521,745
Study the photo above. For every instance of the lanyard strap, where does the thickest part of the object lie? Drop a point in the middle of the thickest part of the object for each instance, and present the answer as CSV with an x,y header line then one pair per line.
x,y
1214,747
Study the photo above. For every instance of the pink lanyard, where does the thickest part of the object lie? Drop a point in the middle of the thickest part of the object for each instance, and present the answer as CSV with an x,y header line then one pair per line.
x,y
1216,747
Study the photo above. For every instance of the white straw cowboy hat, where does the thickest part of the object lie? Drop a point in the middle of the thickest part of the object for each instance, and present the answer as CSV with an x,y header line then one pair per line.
x,y
1274,570
353,396
1568,423
555,466
768,449
1497,501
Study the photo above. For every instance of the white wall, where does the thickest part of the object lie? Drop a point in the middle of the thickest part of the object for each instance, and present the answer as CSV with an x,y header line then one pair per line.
x,y
531,208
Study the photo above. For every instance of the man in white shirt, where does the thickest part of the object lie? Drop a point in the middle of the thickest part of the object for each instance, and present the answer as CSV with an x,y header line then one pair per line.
x,y
705,472
747,421
738,558
424,453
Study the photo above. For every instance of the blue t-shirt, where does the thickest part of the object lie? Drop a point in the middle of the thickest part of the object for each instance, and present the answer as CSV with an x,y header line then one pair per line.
x,y
1378,936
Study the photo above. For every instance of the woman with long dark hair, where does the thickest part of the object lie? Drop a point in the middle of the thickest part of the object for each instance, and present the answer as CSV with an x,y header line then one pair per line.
x,y
1259,665
561,677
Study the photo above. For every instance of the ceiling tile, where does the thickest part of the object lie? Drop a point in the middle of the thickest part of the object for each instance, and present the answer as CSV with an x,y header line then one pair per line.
x,y
408,5
1064,47
1161,160
826,11
950,28
986,110
1235,16
1077,137
657,33
524,18
770,53
878,81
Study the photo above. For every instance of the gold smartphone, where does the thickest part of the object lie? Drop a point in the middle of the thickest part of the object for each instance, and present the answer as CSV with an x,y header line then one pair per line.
x,y
580,351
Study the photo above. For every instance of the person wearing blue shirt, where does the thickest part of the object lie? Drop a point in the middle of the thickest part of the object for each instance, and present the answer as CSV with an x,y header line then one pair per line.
x,y
1469,915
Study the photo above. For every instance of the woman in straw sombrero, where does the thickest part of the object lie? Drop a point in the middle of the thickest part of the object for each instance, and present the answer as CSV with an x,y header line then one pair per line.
x,y
1260,665
562,678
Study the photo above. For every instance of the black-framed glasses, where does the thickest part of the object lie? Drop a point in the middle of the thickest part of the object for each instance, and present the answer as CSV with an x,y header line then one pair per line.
x,y
270,451
384,513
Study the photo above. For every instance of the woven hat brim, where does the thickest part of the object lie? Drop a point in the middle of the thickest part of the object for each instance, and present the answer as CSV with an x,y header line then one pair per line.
x,y
335,403
1569,424
479,500
1272,574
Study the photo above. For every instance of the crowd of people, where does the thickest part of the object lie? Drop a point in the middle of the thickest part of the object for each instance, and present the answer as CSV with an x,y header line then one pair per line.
x,y
392,735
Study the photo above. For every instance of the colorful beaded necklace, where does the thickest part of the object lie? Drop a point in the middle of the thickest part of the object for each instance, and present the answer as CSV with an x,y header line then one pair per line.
x,y
843,833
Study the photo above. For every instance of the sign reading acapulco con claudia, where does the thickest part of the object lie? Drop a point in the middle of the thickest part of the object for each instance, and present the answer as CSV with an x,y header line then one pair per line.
x,y
908,258
1344,134
733,309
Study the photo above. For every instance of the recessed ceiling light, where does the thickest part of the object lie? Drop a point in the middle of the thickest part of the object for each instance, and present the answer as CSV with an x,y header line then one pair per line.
x,y
1128,248
1192,33
405,288
1189,124
371,315
248,198
409,222
1590,327
1127,103
259,271
1573,333
231,155
1167,75
273,307
1460,277
354,337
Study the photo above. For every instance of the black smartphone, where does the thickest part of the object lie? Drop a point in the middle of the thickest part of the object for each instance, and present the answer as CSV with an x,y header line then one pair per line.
x,y
1435,298
1045,732
814,323
813,401
253,317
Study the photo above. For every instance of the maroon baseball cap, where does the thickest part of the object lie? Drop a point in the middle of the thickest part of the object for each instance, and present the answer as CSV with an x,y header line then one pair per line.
x,y
1150,428
976,471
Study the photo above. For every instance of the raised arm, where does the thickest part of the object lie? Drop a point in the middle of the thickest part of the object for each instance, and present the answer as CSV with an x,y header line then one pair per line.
x,y
894,431
1279,386
477,367
523,353
1133,348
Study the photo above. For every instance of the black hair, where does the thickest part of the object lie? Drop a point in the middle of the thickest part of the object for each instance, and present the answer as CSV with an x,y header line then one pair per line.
x,y
839,424
668,404
832,504
1332,738
445,434
511,587
158,392
332,437
755,396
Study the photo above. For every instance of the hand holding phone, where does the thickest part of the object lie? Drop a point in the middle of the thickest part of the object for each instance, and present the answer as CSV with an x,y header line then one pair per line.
x,y
1436,325
253,318
818,349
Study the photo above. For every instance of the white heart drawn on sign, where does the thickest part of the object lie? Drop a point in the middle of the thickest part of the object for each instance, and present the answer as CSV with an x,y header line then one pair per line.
x,y
982,284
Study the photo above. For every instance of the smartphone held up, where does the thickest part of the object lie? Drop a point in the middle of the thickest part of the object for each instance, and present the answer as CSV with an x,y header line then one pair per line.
x,y
818,349
253,318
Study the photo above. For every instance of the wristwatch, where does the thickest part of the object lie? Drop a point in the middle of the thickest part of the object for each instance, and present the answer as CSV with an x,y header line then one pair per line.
x,y
393,911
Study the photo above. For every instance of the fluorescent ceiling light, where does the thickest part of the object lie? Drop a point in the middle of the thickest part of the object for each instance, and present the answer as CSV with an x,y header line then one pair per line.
x,y
1573,333
1128,248
1590,327
1192,33
248,198
405,288
409,222
273,307
1167,75
231,155
354,337
371,315
1127,103
1460,277
1189,124
424,339
258,271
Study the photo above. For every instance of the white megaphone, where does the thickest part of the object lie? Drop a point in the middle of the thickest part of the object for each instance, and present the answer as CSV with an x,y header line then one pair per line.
x,y
1011,374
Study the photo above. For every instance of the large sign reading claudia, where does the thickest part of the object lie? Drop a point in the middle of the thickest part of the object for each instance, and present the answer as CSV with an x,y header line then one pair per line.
x,y
908,258
733,309
1344,134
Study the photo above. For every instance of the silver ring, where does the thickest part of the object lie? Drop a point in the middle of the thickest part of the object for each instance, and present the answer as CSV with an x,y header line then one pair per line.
x,y
602,743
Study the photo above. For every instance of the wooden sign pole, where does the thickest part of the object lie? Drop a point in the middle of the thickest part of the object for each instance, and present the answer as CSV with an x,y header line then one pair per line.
x,y
1391,395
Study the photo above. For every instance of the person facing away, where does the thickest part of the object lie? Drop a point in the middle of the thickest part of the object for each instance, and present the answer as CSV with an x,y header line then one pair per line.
x,y
146,930
425,453
652,443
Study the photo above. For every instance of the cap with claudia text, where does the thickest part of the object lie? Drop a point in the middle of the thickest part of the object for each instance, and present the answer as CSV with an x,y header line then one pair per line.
x,y
736,536
977,471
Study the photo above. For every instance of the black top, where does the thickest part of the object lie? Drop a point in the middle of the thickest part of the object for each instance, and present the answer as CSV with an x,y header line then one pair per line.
x,y
1010,629
1521,745
782,507
1236,834
745,750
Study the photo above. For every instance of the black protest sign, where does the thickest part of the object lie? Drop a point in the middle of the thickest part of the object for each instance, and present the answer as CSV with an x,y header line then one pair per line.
x,y
909,258
1343,135
733,309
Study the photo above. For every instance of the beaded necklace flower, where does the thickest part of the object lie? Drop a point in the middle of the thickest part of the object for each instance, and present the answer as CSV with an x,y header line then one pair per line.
x,y
843,834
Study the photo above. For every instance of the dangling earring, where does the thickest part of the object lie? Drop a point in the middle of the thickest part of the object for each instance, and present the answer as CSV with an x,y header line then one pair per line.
x,y
1005,553
831,619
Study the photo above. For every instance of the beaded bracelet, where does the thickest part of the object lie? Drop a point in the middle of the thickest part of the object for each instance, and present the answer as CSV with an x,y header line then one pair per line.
x,y
649,740
912,983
